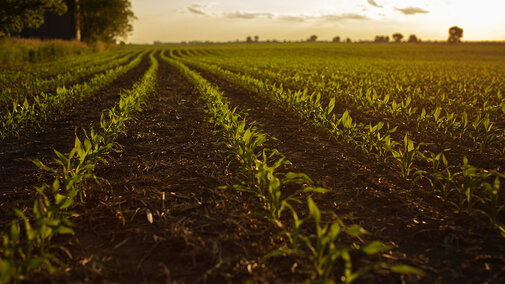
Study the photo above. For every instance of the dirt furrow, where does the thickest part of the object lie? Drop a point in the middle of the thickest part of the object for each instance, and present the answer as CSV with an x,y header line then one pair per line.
x,y
18,174
450,248
199,232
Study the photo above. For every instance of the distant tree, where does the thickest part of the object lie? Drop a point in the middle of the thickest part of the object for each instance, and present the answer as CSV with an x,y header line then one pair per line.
x,y
381,39
312,38
249,39
348,40
336,39
16,15
455,34
397,37
105,20
256,38
412,39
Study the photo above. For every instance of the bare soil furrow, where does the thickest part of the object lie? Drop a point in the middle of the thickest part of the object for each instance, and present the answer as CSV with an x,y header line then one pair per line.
x,y
18,174
199,232
449,247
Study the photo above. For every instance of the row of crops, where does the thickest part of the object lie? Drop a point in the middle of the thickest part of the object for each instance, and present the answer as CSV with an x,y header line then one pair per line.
x,y
43,97
412,114
321,245
439,125
27,243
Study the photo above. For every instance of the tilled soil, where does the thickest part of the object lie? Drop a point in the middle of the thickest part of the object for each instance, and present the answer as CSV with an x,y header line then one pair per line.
x,y
488,159
6,104
18,174
448,247
170,168
200,233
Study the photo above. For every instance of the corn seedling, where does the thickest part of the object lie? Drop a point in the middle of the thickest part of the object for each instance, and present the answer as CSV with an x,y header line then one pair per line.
x,y
407,155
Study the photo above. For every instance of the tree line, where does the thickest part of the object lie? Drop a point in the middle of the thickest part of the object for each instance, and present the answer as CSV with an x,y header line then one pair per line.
x,y
99,20
455,35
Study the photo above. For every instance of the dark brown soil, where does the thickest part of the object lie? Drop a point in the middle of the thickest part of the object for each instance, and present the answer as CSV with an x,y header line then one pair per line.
x,y
7,104
488,159
18,175
450,248
200,233
86,78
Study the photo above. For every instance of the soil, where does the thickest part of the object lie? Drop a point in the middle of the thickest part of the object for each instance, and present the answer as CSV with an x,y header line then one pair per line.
x,y
171,167
200,233
489,159
6,104
449,247
18,174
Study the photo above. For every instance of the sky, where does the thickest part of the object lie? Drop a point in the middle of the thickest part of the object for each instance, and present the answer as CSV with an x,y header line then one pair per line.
x,y
292,20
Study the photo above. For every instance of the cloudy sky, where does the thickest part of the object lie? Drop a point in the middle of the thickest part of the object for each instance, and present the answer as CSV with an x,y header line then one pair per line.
x,y
229,20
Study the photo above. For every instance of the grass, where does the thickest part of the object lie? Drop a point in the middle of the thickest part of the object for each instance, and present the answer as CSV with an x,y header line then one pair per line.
x,y
20,51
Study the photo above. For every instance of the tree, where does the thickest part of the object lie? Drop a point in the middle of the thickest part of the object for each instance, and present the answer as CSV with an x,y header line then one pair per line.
x,y
348,40
105,20
249,39
381,39
256,38
18,14
397,37
312,38
412,39
336,39
455,34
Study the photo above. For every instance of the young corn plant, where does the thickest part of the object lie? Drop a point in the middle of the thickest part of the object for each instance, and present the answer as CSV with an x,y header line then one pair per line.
x,y
467,198
325,251
441,178
491,198
22,253
407,155
377,144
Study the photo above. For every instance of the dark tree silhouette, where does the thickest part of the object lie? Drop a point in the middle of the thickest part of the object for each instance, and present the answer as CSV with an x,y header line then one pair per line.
x,y
16,15
413,39
256,38
381,39
397,37
336,39
348,40
455,34
106,20
249,39
312,38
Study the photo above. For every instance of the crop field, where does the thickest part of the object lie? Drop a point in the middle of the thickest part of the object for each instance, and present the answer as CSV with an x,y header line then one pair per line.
x,y
255,163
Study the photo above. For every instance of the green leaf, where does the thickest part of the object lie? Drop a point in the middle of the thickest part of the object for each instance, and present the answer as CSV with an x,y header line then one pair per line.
x,y
331,105
277,253
297,178
406,269
64,230
315,189
314,210
355,230
41,165
375,247
14,232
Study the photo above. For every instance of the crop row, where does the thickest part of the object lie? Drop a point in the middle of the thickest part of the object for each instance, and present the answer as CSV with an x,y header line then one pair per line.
x,y
44,106
30,85
13,75
27,243
458,119
456,86
261,176
469,189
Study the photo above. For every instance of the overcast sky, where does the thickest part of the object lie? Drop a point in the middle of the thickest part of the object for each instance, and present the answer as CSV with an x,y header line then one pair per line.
x,y
225,20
